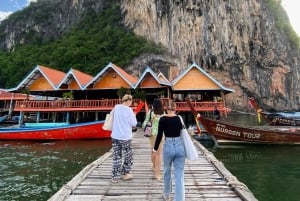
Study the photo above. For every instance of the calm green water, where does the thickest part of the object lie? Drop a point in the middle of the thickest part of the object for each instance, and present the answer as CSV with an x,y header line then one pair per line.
x,y
271,172
34,171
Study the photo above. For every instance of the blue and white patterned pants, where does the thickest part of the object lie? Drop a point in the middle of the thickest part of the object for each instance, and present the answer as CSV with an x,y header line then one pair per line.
x,y
120,148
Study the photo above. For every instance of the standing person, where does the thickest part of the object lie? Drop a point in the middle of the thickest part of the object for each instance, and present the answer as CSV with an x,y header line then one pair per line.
x,y
123,121
217,113
155,113
173,152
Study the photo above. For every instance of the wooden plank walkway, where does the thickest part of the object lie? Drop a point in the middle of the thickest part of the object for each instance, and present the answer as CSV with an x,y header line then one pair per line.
x,y
205,179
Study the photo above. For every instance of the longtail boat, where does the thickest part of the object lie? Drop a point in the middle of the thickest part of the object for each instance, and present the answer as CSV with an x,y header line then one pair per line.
x,y
89,130
59,130
276,118
225,132
281,119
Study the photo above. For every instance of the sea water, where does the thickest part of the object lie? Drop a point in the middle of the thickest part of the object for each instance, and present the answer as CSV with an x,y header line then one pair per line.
x,y
271,172
34,171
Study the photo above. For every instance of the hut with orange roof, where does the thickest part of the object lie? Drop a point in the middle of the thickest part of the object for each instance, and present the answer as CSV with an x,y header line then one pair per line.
x,y
153,85
109,81
102,92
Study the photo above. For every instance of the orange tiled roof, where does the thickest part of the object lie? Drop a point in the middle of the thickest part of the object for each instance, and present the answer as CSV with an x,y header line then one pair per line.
x,y
41,78
112,76
44,78
55,76
128,77
195,78
162,78
81,79
150,80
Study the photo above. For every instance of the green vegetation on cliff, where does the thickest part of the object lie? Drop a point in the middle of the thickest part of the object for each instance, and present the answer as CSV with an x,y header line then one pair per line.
x,y
282,22
97,40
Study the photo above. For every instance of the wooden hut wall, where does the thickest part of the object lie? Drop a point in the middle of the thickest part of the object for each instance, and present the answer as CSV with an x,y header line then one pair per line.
x,y
40,84
149,82
74,85
111,80
195,80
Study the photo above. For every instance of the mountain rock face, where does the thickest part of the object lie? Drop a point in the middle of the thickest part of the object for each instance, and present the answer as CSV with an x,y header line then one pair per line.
x,y
237,42
44,20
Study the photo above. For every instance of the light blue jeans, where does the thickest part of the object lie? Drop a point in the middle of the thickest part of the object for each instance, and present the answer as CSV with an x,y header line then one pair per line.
x,y
173,153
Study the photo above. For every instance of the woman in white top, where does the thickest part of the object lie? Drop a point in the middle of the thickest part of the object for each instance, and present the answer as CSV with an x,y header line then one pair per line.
x,y
123,121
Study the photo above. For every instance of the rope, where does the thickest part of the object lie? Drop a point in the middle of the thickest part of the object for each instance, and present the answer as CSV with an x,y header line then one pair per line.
x,y
233,182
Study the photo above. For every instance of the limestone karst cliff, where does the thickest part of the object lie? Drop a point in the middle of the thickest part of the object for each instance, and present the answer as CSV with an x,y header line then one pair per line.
x,y
44,21
237,42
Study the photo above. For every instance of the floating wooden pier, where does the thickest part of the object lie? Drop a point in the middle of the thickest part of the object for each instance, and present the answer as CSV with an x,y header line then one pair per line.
x,y
205,179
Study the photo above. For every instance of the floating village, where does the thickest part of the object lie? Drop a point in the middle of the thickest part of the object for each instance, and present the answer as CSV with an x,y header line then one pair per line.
x,y
52,105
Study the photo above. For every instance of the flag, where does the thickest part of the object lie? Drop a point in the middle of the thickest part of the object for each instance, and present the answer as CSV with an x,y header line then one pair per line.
x,y
139,107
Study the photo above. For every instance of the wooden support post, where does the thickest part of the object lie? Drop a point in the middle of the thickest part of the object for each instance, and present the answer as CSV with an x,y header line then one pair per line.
x,y
38,117
21,119
68,117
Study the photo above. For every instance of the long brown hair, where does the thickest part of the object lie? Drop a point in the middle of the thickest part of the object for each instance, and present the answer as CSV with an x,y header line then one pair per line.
x,y
157,106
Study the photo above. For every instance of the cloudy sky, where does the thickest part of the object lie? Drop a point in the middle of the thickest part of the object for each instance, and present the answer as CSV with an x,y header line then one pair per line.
x,y
13,5
9,6
291,6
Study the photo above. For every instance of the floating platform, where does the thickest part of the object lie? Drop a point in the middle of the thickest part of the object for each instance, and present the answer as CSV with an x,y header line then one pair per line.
x,y
205,179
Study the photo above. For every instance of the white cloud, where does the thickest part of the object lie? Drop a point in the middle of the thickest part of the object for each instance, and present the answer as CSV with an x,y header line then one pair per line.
x,y
4,15
29,1
292,8
15,5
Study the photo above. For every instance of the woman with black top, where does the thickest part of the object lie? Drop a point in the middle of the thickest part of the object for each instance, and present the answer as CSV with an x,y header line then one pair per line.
x,y
173,152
